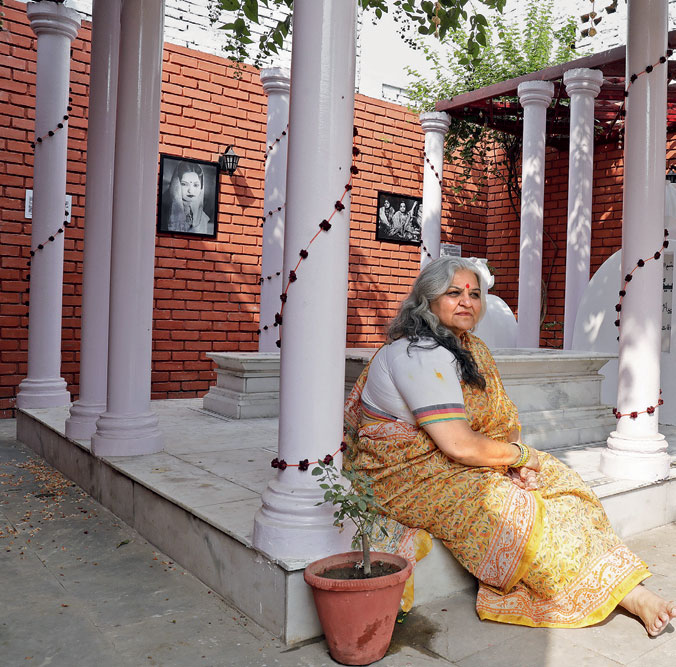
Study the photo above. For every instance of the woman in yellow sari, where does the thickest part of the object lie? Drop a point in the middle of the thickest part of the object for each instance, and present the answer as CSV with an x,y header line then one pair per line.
x,y
429,421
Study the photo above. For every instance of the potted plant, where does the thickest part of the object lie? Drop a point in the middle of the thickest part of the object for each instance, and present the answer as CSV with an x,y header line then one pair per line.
x,y
357,594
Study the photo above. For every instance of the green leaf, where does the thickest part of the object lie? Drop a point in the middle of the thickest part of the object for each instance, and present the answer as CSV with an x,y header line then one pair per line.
x,y
251,10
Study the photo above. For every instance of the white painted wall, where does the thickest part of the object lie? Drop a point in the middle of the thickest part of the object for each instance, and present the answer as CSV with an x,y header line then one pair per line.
x,y
382,55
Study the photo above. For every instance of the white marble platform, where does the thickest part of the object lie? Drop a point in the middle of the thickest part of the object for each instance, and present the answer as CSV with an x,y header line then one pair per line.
x,y
196,501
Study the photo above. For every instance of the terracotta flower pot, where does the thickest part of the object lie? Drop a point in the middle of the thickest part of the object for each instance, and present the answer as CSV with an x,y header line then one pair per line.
x,y
357,615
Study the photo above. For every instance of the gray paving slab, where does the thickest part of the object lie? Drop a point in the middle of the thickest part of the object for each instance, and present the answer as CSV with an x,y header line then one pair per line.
x,y
80,587
174,478
249,467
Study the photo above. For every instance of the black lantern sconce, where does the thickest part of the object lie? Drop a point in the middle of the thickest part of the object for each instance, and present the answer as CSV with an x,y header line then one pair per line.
x,y
228,161
671,174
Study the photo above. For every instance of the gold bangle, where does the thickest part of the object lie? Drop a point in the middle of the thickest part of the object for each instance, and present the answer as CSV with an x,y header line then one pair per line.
x,y
524,455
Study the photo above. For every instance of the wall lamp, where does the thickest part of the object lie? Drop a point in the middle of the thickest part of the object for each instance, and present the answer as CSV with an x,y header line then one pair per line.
x,y
671,174
228,161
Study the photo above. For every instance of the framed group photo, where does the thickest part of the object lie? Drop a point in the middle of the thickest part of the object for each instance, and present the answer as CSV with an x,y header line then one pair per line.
x,y
399,218
188,197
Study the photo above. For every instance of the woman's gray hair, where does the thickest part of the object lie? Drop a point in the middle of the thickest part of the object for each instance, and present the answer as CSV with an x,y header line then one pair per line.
x,y
431,283
416,321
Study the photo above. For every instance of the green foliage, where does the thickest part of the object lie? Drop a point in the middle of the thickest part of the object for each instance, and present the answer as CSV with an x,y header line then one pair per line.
x,y
427,17
510,50
356,503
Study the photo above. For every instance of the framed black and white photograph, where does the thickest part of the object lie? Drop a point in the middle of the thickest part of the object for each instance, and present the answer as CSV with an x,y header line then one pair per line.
x,y
399,218
188,197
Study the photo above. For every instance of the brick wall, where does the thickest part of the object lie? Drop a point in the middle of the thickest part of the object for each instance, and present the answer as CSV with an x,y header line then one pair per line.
x,y
206,291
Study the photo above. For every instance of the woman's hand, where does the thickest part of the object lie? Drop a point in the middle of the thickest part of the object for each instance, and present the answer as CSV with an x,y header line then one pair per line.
x,y
533,462
526,477
526,482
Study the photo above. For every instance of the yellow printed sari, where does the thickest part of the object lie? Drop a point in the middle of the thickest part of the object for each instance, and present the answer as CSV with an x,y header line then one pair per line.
x,y
545,558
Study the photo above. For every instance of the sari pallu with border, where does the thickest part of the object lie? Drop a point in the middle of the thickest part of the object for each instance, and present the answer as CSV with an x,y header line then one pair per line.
x,y
546,558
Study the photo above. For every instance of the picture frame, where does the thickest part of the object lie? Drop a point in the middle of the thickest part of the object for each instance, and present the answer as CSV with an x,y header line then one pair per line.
x,y
187,197
399,219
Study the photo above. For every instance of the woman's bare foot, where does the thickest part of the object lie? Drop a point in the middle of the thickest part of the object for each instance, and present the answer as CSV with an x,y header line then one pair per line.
x,y
654,611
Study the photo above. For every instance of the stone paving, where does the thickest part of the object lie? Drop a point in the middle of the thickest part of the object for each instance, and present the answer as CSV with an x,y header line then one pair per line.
x,y
79,587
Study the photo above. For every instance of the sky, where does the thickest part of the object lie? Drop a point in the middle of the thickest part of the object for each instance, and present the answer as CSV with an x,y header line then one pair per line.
x,y
384,56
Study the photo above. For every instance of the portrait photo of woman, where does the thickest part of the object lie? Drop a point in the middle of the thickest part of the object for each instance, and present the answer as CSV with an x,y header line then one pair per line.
x,y
188,196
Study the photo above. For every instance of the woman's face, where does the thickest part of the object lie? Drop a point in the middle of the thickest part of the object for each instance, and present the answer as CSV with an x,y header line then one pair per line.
x,y
190,186
458,309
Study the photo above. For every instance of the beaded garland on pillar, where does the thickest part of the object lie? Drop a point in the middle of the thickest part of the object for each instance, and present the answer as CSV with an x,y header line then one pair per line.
x,y
52,237
276,141
305,464
641,262
269,214
324,226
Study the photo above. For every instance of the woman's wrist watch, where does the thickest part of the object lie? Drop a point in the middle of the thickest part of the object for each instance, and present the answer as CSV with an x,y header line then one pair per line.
x,y
524,455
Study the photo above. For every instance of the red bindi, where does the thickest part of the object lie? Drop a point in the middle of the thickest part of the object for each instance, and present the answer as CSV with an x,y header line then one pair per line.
x,y
467,285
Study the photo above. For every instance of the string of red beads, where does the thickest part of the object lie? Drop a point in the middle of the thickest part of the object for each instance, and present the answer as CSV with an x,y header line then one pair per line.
x,y
52,237
304,464
269,214
436,173
276,141
628,278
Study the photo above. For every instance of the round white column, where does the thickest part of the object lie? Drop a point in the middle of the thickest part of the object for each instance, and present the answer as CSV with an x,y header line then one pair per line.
x,y
128,426
276,83
55,26
434,125
535,97
290,524
582,86
636,450
81,423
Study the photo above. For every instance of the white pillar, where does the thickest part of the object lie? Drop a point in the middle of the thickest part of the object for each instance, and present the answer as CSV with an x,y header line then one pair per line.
x,y
434,125
128,426
276,83
636,450
81,423
582,86
535,97
55,26
290,524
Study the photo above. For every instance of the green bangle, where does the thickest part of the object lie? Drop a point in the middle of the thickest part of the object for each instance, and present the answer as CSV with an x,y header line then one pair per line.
x,y
524,455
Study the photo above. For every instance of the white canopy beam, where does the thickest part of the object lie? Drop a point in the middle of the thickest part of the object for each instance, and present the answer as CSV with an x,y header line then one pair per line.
x,y
535,97
582,86
81,424
128,426
55,26
434,125
276,83
312,377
